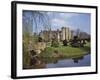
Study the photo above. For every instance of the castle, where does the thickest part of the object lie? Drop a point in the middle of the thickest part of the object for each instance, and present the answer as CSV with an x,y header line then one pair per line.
x,y
64,34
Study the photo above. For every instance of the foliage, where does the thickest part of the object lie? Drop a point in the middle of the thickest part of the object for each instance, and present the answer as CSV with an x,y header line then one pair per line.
x,y
55,43
40,39
26,58
65,42
28,42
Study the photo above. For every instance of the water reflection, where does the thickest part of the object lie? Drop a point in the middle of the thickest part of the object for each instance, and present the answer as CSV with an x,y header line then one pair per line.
x,y
38,63
76,60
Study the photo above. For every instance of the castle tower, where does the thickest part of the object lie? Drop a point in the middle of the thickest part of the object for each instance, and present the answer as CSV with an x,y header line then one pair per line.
x,y
69,34
66,33
58,35
63,33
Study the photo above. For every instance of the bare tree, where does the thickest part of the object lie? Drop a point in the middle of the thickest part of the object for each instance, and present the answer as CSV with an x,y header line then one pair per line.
x,y
38,18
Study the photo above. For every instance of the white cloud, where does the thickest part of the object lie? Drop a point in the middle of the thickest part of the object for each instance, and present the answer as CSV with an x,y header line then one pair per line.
x,y
58,21
68,15
62,19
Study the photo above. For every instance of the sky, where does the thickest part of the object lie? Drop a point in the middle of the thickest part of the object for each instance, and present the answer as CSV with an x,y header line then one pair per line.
x,y
66,19
72,20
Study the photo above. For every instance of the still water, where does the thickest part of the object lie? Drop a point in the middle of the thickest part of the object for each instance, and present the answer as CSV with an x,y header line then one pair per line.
x,y
75,62
83,60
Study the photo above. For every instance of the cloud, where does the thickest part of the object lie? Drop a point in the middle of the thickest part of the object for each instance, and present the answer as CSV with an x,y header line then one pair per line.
x,y
68,15
63,19
58,21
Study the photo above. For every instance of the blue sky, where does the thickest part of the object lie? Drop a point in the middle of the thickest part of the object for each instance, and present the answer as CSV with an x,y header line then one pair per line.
x,y
72,20
67,19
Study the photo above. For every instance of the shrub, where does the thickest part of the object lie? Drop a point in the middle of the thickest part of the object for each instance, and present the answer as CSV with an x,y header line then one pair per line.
x,y
55,43
65,42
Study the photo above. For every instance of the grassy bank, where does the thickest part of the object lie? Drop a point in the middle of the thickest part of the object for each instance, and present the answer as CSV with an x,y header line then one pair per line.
x,y
53,54
66,51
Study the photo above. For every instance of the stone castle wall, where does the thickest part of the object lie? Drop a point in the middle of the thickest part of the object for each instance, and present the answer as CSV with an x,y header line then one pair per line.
x,y
60,35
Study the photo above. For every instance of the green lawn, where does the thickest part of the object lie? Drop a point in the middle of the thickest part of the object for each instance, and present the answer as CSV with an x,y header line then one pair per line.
x,y
66,51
